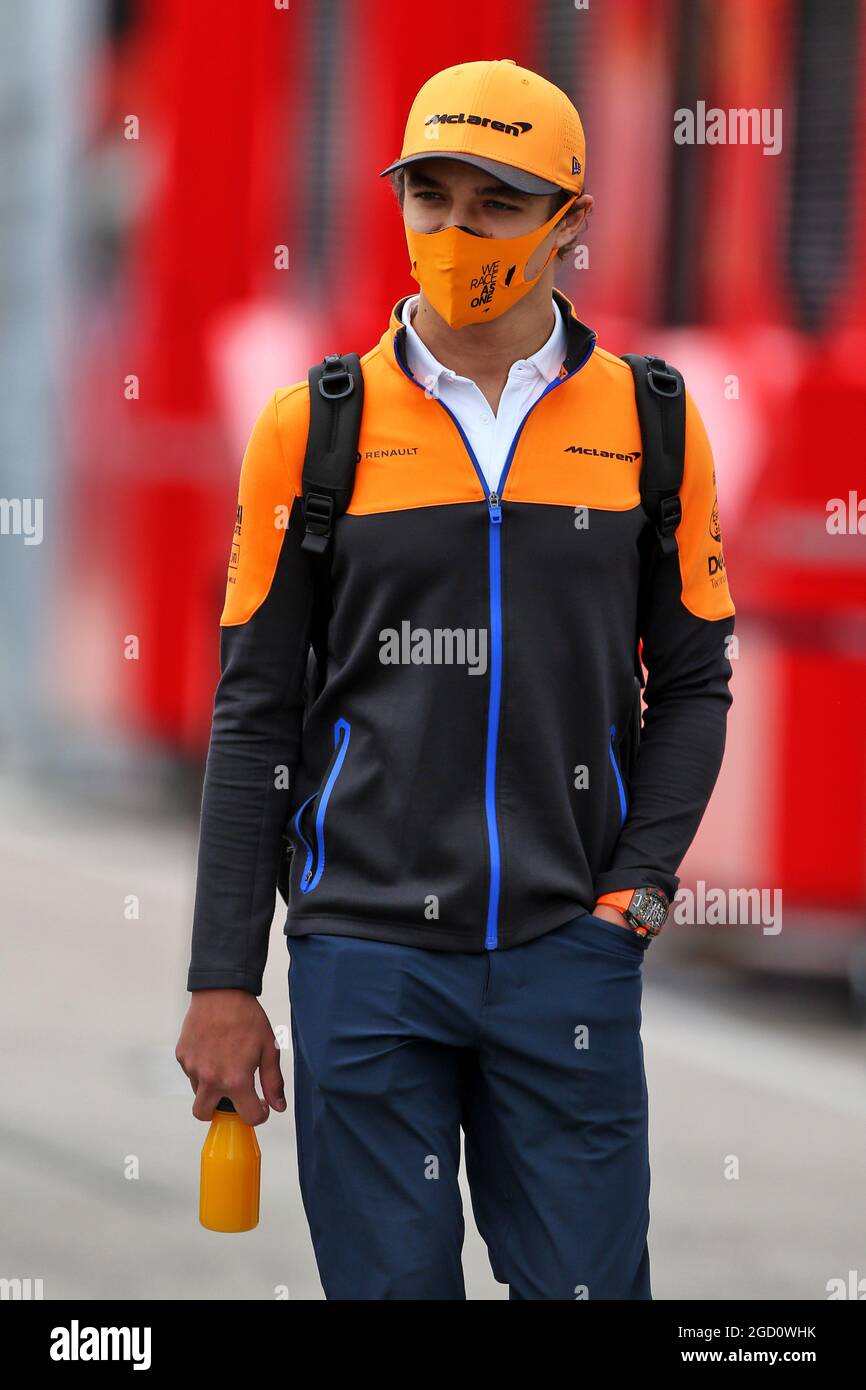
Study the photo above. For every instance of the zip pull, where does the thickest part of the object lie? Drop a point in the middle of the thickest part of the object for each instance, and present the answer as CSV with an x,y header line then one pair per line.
x,y
494,507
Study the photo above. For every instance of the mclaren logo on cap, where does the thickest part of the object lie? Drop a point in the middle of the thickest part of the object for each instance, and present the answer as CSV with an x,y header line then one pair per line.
x,y
514,128
575,165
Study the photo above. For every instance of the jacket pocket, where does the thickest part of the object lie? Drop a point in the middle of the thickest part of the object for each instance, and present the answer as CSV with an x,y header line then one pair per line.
x,y
314,819
620,784
629,744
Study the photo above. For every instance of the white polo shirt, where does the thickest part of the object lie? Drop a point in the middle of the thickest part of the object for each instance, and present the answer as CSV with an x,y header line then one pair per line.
x,y
490,435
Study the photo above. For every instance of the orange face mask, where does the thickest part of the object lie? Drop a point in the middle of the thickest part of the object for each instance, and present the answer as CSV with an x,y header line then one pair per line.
x,y
472,279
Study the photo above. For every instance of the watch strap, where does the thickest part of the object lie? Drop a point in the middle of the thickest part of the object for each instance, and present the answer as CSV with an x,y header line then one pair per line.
x,y
619,899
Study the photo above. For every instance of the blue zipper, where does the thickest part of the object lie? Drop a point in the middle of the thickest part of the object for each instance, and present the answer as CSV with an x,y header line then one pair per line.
x,y
494,507
301,836
309,880
491,933
623,805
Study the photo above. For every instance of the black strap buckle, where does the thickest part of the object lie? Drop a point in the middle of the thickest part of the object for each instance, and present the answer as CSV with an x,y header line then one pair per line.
x,y
336,381
661,379
319,516
670,515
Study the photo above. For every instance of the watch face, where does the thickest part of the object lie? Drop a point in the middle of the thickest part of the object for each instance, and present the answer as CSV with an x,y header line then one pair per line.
x,y
649,908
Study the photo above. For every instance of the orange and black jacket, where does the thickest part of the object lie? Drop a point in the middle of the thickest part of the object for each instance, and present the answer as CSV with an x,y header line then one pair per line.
x,y
464,780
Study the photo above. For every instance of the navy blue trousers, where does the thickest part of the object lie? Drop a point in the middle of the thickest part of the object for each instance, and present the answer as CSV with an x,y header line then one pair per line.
x,y
535,1052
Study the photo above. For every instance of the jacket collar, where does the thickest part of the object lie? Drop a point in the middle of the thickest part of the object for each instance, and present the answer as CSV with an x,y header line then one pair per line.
x,y
546,362
579,338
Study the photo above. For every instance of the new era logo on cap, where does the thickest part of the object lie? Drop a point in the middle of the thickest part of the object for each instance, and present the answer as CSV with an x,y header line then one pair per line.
x,y
575,165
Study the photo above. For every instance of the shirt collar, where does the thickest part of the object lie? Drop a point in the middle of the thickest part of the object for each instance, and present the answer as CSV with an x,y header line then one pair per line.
x,y
547,361
581,339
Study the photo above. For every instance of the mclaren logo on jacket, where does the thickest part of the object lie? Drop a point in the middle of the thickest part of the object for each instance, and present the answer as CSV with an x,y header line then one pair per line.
x,y
603,453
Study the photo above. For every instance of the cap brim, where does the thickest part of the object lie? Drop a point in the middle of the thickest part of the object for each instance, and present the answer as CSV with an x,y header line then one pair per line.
x,y
506,173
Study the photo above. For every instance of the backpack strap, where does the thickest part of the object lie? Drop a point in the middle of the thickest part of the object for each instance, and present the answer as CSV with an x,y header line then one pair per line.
x,y
661,406
336,403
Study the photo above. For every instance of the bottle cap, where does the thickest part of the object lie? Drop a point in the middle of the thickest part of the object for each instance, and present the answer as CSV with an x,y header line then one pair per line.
x,y
225,1104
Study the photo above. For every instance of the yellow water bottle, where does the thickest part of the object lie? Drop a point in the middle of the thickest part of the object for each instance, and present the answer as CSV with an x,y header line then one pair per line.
x,y
231,1166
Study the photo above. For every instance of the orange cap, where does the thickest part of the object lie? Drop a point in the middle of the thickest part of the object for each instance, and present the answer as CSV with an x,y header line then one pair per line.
x,y
502,118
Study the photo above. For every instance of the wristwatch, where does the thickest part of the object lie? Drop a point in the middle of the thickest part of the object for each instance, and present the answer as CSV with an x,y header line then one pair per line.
x,y
645,909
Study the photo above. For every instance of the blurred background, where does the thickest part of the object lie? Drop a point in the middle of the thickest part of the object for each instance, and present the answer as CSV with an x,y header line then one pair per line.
x,y
156,156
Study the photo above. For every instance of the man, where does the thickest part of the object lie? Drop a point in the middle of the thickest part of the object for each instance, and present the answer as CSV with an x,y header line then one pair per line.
x,y
480,860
